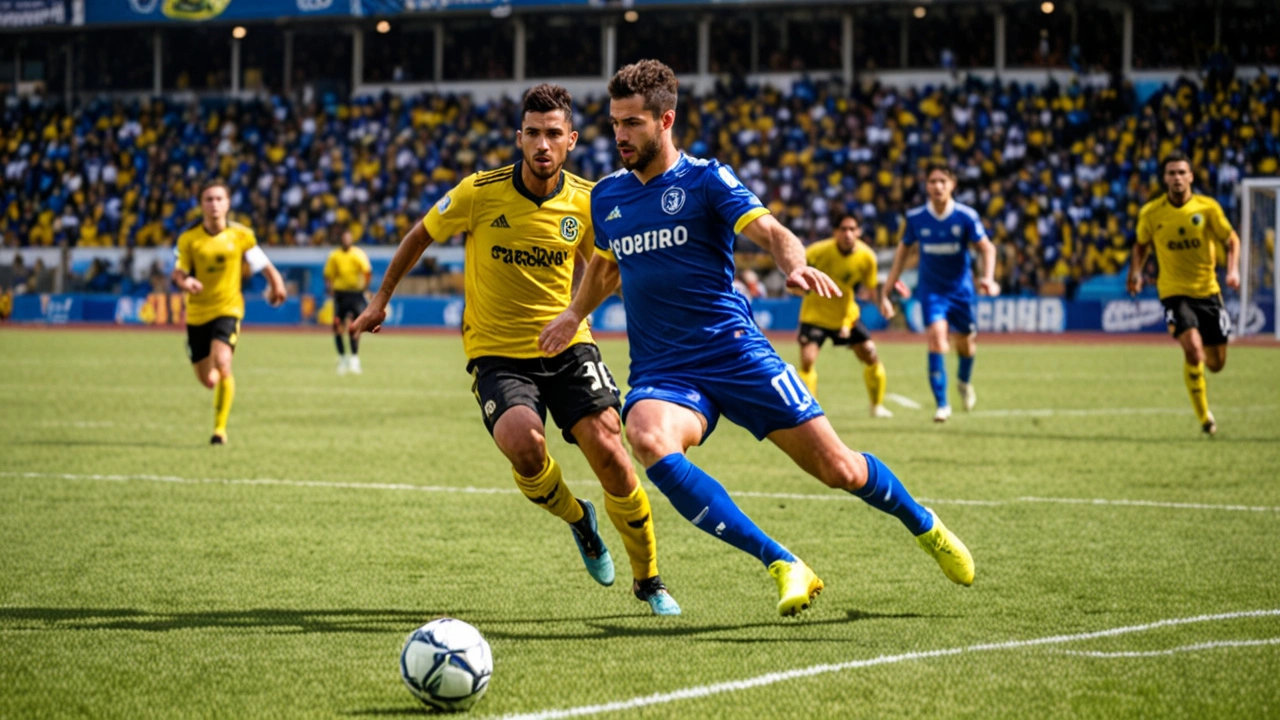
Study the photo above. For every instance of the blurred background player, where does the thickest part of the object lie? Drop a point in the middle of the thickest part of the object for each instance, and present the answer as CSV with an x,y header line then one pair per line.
x,y
347,273
943,229
527,226
1185,229
665,230
852,265
209,270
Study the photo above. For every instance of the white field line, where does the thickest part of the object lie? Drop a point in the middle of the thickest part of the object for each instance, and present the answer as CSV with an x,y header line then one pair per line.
x,y
773,678
904,401
1096,412
471,490
1173,651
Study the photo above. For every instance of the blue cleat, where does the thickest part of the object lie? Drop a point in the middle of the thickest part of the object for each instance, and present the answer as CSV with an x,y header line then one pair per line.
x,y
591,546
654,592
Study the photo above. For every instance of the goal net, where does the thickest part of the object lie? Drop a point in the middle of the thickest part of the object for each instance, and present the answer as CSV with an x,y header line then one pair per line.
x,y
1259,273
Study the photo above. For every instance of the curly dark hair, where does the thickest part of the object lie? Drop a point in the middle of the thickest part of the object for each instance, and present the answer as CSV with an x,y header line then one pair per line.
x,y
546,98
652,80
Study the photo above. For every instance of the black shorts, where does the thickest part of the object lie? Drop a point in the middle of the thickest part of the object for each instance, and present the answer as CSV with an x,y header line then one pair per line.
x,y
572,385
1207,314
348,305
858,334
200,337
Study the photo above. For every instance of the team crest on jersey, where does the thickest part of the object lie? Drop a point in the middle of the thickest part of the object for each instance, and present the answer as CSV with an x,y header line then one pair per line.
x,y
1197,219
569,228
672,200
955,230
925,232
443,205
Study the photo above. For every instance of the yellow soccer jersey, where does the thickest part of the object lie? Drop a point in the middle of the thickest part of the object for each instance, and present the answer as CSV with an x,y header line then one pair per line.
x,y
346,269
1184,239
519,256
848,271
215,261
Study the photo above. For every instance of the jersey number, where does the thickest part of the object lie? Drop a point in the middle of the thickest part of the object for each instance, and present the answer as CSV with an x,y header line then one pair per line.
x,y
599,377
792,389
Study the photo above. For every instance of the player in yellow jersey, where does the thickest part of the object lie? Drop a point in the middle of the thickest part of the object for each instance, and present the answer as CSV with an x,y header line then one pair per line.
x,y
529,227
347,273
1185,229
210,256
852,265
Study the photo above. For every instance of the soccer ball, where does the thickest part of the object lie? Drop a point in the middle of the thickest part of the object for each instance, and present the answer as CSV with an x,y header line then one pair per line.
x,y
446,664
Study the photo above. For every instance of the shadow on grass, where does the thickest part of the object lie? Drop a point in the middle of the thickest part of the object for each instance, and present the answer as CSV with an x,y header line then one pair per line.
x,y
395,711
275,620
664,627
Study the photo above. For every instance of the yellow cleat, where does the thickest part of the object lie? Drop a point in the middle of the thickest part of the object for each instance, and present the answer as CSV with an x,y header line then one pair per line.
x,y
797,586
951,554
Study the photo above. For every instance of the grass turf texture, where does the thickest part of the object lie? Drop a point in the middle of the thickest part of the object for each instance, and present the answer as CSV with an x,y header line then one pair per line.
x,y
133,597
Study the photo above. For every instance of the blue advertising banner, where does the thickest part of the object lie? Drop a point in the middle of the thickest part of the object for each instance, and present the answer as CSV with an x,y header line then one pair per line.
x,y
165,11
994,315
31,13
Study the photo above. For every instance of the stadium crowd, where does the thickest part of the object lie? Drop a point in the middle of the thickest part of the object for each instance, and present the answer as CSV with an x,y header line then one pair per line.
x,y
1058,173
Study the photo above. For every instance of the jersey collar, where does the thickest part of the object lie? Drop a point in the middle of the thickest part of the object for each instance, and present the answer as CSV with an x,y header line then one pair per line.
x,y
946,213
521,188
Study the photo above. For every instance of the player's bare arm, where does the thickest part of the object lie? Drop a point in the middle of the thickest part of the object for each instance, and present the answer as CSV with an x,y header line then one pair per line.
x,y
988,285
1233,261
415,242
1139,259
895,272
186,282
600,280
788,253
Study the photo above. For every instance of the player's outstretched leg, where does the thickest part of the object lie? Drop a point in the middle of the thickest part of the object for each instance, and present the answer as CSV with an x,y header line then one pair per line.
x,y
816,448
599,436
518,433
660,432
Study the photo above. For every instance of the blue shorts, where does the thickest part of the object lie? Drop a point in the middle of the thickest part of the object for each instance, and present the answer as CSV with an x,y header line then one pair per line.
x,y
756,390
957,310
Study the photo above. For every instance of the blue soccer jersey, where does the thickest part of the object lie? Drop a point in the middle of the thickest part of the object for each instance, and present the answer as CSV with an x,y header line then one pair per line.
x,y
673,241
944,248
693,340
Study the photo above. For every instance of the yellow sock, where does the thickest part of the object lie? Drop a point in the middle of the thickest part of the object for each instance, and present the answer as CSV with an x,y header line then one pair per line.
x,y
547,489
1193,376
634,520
223,395
810,379
876,379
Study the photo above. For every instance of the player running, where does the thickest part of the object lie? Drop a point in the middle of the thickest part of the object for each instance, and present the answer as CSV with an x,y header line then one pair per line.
x,y
528,225
347,273
852,265
1185,229
209,271
944,229
665,228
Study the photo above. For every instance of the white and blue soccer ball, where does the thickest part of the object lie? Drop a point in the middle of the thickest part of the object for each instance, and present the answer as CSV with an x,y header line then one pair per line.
x,y
446,664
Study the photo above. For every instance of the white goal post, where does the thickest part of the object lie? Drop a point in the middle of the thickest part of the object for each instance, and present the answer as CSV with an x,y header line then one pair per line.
x,y
1259,224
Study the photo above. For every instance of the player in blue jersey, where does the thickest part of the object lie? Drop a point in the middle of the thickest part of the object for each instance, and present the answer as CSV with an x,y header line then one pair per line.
x,y
944,229
665,227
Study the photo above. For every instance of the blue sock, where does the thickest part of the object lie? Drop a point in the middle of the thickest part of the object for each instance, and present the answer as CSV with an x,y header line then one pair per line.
x,y
885,493
965,370
705,503
938,378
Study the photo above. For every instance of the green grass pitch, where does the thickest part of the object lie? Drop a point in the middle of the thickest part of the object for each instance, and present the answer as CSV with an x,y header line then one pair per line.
x,y
144,574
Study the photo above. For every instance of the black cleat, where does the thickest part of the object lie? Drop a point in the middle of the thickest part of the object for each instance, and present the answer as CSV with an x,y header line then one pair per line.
x,y
218,439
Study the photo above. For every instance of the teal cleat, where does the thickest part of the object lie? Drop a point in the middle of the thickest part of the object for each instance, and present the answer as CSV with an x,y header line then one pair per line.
x,y
654,592
591,546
